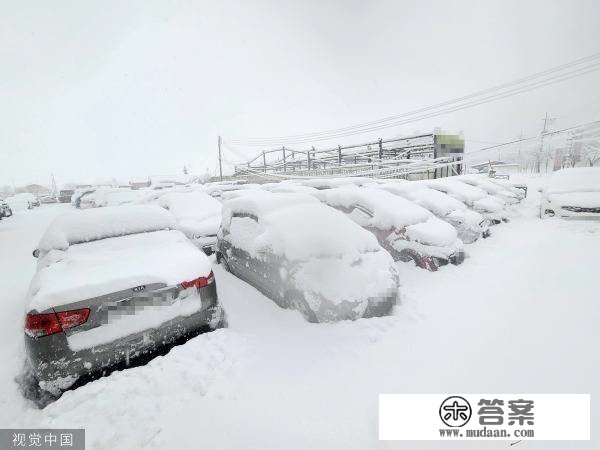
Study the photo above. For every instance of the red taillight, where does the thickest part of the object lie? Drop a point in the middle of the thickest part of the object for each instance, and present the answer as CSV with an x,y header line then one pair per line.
x,y
70,319
199,282
45,324
41,324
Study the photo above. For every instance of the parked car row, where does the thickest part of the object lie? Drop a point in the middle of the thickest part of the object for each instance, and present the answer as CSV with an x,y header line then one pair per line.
x,y
121,280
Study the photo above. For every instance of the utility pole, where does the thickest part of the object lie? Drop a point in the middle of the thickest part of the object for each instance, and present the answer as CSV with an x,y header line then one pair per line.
x,y
547,121
220,164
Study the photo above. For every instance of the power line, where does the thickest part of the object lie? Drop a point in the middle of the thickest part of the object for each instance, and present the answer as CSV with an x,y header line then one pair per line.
x,y
382,123
548,133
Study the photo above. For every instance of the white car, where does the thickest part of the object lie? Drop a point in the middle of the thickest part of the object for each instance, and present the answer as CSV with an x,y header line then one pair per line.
x,y
572,193
470,225
475,198
198,216
493,189
406,230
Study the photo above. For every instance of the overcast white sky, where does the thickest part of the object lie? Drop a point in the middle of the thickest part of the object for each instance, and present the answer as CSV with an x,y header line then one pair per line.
x,y
117,89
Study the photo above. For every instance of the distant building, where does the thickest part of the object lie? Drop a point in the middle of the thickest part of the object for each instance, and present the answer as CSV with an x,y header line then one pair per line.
x,y
139,183
37,190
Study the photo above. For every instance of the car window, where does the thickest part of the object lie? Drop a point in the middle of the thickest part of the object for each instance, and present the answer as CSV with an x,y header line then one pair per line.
x,y
243,230
360,215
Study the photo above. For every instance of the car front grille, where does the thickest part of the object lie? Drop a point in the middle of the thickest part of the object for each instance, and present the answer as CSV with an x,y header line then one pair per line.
x,y
579,209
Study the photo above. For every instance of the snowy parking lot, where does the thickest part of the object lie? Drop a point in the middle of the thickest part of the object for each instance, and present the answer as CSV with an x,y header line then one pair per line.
x,y
519,315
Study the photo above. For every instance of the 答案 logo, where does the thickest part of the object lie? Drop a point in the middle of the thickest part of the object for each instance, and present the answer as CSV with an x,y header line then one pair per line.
x,y
455,411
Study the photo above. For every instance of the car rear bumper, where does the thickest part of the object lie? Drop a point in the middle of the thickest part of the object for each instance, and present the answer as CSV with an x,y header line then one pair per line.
x,y
57,367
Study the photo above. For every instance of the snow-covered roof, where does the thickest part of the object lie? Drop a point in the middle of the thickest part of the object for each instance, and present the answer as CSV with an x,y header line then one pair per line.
x,y
79,226
290,188
464,192
98,268
435,201
299,227
484,183
577,179
329,183
388,210
258,202
300,231
190,205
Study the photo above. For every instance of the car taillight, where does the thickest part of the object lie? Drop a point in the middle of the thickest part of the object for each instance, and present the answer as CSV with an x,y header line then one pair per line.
x,y
70,319
37,325
199,282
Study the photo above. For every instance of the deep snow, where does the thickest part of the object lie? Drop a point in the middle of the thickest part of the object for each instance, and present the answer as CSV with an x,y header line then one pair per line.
x,y
519,315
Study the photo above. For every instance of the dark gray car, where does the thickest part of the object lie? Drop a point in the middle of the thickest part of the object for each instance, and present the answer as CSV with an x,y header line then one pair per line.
x,y
107,296
283,245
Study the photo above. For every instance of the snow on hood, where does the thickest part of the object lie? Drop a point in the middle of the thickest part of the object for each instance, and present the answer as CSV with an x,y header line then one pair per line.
x,y
432,232
206,227
308,230
462,191
338,279
190,206
258,202
92,224
484,183
435,201
581,199
101,267
578,179
468,218
389,210
488,204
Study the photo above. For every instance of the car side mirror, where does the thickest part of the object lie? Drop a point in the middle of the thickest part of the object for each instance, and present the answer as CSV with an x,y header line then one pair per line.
x,y
36,253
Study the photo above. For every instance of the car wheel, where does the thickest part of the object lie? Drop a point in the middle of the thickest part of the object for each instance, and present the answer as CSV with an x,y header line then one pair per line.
x,y
30,389
295,300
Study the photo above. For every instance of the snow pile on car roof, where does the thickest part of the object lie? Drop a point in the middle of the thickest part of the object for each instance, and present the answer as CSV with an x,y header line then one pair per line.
x,y
101,267
78,226
190,205
578,179
388,210
299,227
258,202
462,191
306,230
435,201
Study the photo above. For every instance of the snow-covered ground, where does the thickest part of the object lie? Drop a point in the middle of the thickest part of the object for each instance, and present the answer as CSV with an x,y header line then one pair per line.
x,y
520,315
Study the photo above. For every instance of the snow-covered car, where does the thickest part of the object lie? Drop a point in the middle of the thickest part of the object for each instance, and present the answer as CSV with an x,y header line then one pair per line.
x,y
217,190
20,202
65,195
572,193
5,210
470,225
78,196
475,198
102,197
113,284
493,189
290,188
519,189
406,230
198,216
331,183
48,199
306,256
